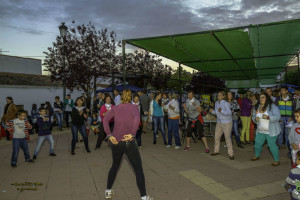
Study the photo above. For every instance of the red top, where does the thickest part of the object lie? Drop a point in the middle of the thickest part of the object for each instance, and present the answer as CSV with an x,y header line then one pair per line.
x,y
103,109
126,117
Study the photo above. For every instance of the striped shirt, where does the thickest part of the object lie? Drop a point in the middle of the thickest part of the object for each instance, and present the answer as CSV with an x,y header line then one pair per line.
x,y
18,128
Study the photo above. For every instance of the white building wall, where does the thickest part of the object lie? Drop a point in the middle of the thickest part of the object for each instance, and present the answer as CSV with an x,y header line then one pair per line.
x,y
28,95
13,64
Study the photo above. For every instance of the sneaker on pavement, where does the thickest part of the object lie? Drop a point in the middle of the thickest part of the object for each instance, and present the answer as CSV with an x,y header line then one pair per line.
x,y
30,161
109,194
177,147
34,157
147,198
207,150
52,154
168,146
187,148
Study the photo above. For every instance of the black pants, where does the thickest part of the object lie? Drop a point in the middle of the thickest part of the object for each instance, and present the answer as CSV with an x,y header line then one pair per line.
x,y
166,118
68,115
132,152
198,126
102,134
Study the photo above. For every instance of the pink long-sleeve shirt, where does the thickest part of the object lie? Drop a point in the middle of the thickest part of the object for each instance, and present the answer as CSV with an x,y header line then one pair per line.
x,y
126,119
103,109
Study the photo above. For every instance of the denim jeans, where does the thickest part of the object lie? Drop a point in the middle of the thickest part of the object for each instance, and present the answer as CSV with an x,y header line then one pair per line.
x,y
59,118
284,132
235,130
173,129
82,130
68,116
133,155
158,122
40,142
17,143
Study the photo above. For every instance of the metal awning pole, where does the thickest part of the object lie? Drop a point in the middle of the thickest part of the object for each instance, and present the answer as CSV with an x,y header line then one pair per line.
x,y
124,68
298,61
286,75
180,91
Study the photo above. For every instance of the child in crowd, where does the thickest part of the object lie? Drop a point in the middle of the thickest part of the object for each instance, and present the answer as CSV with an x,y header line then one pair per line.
x,y
95,123
19,130
88,122
294,137
44,123
293,180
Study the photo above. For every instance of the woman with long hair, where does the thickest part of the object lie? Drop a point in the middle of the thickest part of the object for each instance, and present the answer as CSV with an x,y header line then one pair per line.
x,y
79,115
103,112
121,140
266,115
235,108
224,124
157,114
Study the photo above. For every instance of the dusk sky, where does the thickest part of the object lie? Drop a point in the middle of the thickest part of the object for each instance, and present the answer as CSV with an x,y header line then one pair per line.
x,y
28,27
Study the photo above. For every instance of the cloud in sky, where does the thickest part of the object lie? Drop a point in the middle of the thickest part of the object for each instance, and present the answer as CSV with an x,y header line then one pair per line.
x,y
140,18
133,18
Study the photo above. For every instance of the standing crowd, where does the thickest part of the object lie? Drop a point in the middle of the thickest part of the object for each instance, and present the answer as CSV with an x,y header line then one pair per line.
x,y
121,121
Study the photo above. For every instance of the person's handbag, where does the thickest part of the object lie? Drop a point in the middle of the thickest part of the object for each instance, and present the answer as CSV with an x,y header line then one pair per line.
x,y
263,125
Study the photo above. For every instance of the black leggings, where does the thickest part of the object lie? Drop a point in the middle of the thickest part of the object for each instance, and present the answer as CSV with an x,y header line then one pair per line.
x,y
131,150
102,134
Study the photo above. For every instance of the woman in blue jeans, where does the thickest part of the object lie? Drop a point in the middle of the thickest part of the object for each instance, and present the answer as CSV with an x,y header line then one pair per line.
x,y
157,113
235,108
79,116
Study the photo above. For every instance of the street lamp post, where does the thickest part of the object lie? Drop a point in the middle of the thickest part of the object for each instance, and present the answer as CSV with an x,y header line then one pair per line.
x,y
63,32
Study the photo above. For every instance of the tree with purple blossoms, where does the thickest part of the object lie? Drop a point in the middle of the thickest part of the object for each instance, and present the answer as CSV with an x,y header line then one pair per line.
x,y
88,54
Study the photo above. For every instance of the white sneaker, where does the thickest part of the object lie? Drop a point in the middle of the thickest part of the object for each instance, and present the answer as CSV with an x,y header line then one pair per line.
x,y
168,146
147,198
109,194
177,147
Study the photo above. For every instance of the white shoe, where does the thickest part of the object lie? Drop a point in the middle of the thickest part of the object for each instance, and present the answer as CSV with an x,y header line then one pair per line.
x,y
168,146
109,194
177,147
147,198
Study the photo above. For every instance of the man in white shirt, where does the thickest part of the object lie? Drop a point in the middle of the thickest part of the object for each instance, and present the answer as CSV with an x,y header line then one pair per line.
x,y
117,97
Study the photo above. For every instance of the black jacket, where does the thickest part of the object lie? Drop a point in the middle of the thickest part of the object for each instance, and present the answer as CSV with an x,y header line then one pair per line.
x,y
77,119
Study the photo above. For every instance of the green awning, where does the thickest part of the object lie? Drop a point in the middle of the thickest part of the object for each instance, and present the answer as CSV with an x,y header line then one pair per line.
x,y
253,53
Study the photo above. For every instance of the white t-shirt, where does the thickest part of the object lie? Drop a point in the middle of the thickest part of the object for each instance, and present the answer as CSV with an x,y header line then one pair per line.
x,y
68,107
263,124
117,100
19,128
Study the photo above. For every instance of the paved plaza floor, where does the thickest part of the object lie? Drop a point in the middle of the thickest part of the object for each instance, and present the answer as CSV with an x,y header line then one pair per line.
x,y
170,174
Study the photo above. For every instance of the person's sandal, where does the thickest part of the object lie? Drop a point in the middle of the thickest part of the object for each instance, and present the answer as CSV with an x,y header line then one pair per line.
x,y
214,154
255,158
275,163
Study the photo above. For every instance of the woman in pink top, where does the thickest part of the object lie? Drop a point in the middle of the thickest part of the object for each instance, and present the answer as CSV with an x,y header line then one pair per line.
x,y
103,112
121,141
